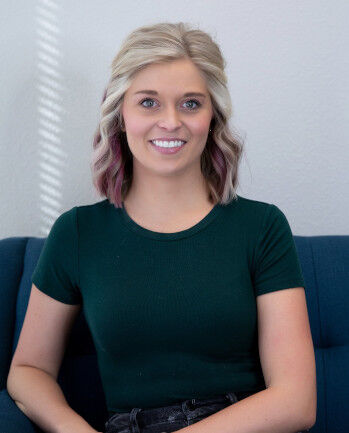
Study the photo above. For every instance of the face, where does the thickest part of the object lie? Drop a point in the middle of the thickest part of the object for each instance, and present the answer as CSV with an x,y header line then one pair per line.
x,y
166,112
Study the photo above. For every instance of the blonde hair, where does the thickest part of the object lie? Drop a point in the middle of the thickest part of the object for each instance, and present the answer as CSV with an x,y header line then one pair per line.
x,y
111,163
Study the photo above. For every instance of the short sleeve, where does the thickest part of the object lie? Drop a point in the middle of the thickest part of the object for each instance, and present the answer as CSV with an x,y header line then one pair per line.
x,y
277,265
56,272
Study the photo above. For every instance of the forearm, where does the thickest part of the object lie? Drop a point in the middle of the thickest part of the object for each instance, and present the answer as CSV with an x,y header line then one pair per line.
x,y
267,411
41,399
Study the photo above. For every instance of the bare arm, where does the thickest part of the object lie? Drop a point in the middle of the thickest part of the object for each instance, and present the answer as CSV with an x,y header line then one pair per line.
x,y
41,399
267,411
289,403
32,380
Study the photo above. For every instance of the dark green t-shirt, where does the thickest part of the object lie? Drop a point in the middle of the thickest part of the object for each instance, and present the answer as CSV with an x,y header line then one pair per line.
x,y
173,315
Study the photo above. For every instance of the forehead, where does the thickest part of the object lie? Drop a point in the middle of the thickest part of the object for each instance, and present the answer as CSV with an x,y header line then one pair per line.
x,y
177,76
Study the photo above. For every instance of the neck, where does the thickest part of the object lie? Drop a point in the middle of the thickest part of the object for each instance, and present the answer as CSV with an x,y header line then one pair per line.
x,y
168,198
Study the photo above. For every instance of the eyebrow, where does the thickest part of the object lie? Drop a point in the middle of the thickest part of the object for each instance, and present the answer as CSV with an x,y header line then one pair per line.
x,y
154,92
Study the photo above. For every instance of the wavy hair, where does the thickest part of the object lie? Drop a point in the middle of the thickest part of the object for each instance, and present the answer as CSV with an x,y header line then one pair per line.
x,y
112,160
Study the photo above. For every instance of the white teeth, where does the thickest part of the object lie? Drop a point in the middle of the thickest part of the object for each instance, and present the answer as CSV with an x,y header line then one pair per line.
x,y
168,143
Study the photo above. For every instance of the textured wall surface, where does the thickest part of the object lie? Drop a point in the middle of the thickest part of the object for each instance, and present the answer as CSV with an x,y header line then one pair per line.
x,y
287,66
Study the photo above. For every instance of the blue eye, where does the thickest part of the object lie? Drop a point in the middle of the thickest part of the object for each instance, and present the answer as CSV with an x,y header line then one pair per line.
x,y
191,100
195,102
147,99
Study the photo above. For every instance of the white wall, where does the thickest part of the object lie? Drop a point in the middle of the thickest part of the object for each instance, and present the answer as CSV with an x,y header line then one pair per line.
x,y
288,77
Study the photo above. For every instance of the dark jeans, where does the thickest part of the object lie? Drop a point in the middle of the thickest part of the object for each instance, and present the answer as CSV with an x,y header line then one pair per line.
x,y
168,419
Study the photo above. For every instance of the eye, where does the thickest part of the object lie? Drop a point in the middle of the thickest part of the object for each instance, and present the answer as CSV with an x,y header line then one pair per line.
x,y
195,102
146,99
152,100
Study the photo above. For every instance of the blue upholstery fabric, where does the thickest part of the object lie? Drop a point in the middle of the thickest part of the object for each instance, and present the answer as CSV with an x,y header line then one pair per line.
x,y
13,420
325,266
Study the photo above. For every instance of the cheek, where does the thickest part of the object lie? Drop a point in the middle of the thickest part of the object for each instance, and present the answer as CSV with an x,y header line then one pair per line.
x,y
200,127
136,125
199,135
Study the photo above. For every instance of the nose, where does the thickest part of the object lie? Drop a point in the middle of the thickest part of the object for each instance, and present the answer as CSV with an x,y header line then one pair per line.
x,y
171,119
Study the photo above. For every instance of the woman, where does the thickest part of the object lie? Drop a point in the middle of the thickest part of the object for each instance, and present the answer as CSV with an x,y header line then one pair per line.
x,y
182,280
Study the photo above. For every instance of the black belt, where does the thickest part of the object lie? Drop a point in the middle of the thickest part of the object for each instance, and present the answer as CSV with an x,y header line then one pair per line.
x,y
195,402
146,414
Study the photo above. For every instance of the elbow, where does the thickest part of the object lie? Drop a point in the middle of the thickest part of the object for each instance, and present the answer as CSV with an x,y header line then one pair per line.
x,y
11,384
305,408
311,421
306,422
307,426
18,403
310,416
10,388
8,385
21,407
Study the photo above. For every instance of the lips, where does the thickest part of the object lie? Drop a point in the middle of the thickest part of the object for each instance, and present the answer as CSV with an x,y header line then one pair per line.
x,y
167,150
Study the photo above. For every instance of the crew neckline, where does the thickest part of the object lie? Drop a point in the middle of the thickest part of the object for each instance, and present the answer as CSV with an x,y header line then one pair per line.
x,y
135,227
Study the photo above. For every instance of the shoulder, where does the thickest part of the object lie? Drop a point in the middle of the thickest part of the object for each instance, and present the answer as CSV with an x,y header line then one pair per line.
x,y
64,223
93,207
255,212
249,204
93,210
69,219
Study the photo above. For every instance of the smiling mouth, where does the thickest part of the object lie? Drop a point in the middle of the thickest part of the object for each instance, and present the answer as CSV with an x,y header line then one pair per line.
x,y
167,149
176,143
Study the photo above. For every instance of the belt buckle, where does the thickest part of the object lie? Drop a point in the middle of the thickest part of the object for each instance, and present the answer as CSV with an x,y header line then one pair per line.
x,y
191,404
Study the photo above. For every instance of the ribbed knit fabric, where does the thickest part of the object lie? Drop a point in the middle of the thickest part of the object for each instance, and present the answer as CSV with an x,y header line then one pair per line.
x,y
173,315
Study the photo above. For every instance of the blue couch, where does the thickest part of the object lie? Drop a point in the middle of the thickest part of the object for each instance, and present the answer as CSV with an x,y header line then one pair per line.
x,y
325,264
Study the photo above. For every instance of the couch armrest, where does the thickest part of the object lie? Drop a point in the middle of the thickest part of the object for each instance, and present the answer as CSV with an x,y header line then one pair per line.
x,y
12,419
